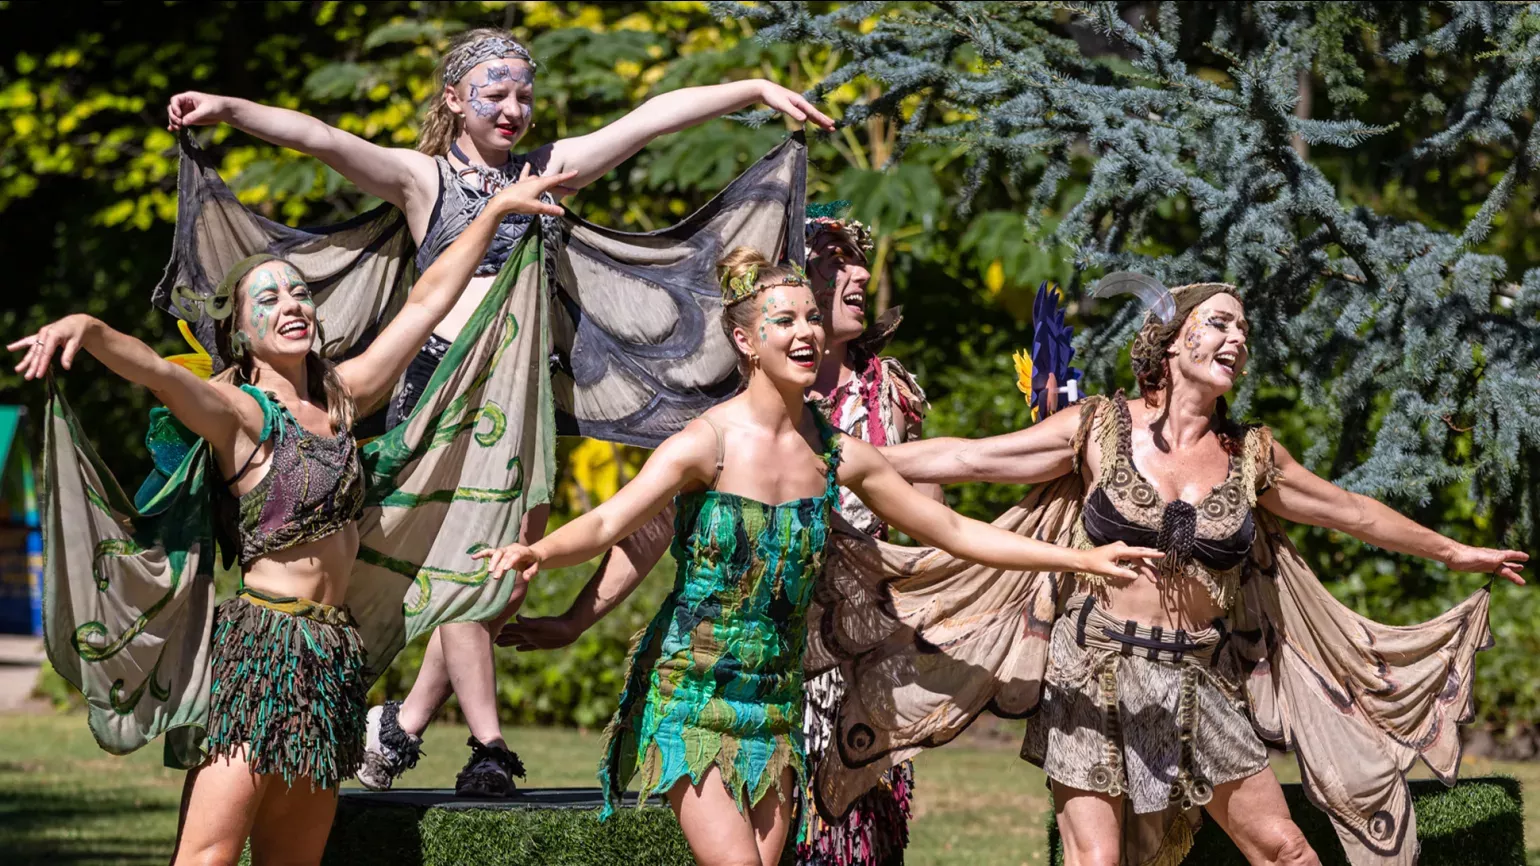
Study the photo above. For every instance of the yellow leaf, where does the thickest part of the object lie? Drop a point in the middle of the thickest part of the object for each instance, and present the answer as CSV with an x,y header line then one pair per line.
x,y
24,125
117,213
994,277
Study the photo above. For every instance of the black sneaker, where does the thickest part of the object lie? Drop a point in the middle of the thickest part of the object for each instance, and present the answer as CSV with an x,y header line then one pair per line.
x,y
489,772
388,750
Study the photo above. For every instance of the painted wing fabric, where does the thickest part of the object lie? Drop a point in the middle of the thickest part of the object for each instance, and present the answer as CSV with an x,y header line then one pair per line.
x,y
926,642
360,271
458,474
1356,701
128,616
637,320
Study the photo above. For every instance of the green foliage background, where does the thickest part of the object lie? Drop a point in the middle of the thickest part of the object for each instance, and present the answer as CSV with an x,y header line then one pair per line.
x,y
87,204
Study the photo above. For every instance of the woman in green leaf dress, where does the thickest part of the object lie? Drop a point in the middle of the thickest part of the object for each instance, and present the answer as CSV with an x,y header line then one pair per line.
x,y
711,713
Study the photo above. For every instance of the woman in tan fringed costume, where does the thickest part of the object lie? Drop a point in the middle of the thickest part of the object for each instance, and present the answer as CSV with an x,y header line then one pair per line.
x,y
1149,698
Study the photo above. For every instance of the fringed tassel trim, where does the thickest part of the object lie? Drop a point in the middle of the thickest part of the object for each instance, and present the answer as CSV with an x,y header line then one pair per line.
x,y
1176,844
872,833
288,689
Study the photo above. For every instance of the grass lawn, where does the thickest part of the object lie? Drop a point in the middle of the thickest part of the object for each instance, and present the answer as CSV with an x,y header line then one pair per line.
x,y
63,801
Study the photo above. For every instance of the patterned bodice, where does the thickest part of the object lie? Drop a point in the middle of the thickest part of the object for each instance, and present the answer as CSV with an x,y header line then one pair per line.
x,y
458,204
1208,541
314,487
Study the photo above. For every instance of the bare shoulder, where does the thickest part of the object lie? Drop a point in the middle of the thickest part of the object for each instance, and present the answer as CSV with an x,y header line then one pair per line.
x,y
421,175
693,450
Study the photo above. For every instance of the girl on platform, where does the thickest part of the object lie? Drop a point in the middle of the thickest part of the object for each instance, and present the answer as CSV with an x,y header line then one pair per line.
x,y
712,709
464,156
284,716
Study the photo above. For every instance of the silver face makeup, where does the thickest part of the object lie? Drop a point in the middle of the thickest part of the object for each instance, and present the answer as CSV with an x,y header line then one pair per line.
x,y
495,75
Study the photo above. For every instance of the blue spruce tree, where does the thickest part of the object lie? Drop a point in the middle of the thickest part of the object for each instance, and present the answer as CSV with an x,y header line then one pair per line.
x,y
1395,318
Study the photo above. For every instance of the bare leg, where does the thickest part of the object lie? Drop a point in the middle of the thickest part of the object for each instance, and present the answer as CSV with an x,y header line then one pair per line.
x,y
719,834
771,818
459,661
1256,817
292,824
219,804
1090,825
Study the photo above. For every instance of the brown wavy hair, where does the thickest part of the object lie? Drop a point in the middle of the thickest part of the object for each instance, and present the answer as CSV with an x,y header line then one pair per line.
x,y
320,374
1150,355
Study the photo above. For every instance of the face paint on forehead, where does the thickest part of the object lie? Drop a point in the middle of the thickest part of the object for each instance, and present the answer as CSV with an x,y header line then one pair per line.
x,y
500,74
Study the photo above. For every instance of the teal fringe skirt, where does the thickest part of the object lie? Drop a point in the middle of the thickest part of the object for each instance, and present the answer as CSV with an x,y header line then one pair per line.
x,y
289,688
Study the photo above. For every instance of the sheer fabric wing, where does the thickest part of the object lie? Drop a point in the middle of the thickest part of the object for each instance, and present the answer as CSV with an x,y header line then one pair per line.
x,y
458,474
1358,702
926,642
126,617
637,318
359,270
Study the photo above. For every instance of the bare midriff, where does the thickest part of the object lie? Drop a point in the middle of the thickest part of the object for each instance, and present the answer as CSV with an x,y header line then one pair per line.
x,y
470,299
317,570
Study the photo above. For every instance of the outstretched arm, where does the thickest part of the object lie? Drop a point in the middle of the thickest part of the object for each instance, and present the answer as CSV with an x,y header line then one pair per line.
x,y
371,375
684,459
619,574
1032,455
394,174
594,154
215,411
1304,497
863,470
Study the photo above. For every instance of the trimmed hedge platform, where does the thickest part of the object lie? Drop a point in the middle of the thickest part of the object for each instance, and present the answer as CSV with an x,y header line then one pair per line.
x,y
1479,821
556,826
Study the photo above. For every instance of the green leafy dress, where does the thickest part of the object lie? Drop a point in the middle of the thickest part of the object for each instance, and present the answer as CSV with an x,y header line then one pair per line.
x,y
716,678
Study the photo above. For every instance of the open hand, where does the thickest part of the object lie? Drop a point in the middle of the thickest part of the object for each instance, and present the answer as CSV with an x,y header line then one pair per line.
x,y
514,557
1118,560
794,105
191,108
66,333
526,634
523,195
1506,564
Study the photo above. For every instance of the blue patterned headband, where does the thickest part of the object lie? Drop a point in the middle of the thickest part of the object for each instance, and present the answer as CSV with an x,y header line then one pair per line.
x,y
466,57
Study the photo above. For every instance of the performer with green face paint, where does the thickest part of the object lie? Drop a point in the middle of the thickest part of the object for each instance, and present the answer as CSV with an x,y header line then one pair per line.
x,y
263,698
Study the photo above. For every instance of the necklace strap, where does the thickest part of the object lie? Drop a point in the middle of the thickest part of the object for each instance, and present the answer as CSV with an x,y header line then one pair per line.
x,y
486,177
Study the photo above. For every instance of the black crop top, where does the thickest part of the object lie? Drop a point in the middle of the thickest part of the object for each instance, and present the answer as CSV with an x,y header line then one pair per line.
x,y
1209,540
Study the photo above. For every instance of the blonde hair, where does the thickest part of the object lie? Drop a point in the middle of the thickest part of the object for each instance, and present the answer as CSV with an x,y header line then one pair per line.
x,y
320,374
440,126
735,312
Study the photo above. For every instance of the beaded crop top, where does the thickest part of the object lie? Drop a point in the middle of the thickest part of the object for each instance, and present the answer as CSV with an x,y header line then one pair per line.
x,y
1209,541
314,487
